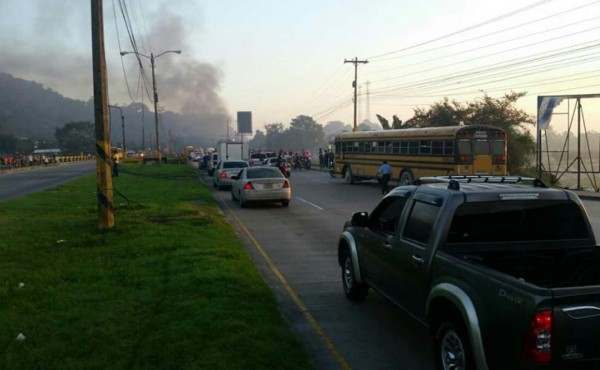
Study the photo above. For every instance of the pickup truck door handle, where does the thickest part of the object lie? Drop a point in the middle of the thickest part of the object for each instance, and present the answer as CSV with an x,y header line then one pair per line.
x,y
418,259
387,245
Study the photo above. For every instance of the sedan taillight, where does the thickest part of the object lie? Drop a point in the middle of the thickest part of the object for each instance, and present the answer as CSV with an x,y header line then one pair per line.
x,y
223,175
538,342
248,186
286,184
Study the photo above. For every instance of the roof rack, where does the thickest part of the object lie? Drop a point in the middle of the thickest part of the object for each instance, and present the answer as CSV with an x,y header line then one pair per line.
x,y
455,180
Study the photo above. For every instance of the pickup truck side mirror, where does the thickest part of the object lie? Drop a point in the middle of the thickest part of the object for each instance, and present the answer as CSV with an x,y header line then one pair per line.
x,y
360,219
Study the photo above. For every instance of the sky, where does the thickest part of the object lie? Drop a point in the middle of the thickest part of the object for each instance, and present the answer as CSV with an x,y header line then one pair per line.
x,y
280,59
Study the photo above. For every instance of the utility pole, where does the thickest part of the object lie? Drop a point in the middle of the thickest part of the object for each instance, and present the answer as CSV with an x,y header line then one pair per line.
x,y
155,108
354,83
104,192
122,130
368,101
152,58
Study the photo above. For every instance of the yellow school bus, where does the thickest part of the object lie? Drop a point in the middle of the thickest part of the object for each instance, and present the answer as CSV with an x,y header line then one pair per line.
x,y
419,152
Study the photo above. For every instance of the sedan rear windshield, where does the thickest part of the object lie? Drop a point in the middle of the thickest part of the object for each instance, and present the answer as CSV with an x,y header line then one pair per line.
x,y
240,164
263,173
517,221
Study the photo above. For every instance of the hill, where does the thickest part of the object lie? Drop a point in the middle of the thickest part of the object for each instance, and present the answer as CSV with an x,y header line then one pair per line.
x,y
30,110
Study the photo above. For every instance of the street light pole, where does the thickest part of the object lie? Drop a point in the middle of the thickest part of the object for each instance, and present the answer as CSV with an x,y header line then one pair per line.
x,y
155,108
152,58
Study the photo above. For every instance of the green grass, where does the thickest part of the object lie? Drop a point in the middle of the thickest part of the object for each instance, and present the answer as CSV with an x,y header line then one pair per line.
x,y
169,287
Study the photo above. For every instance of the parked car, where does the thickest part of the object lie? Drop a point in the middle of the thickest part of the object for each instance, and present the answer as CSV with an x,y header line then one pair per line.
x,y
212,163
505,275
225,170
284,166
261,184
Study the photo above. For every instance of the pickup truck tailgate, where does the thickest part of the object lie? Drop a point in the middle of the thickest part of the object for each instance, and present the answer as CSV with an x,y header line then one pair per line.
x,y
576,334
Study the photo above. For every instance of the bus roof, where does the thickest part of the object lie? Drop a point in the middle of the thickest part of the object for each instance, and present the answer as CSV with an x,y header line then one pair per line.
x,y
446,131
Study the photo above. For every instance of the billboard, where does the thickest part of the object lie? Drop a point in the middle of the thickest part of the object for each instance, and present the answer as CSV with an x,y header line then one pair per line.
x,y
244,122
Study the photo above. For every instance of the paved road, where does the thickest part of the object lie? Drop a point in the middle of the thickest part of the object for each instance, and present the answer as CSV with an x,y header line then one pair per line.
x,y
20,182
300,242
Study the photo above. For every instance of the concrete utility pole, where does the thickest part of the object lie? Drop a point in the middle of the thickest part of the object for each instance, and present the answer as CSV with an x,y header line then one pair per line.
x,y
104,192
152,58
122,130
354,83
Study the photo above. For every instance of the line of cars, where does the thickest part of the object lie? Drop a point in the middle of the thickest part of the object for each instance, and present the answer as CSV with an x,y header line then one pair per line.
x,y
249,184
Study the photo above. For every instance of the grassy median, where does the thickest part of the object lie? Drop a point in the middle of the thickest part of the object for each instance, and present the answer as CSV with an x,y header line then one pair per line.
x,y
169,287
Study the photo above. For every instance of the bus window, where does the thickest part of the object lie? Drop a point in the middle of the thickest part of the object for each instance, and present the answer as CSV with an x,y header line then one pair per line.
x,y
464,147
498,147
482,147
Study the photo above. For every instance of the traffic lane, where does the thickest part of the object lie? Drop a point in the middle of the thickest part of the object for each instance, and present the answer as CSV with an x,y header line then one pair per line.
x,y
302,242
18,183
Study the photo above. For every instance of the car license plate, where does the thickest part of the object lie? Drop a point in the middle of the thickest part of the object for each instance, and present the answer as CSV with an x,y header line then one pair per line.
x,y
268,186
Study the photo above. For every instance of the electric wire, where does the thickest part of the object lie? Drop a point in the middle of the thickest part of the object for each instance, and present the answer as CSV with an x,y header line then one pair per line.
x,y
463,52
488,68
494,33
122,62
509,14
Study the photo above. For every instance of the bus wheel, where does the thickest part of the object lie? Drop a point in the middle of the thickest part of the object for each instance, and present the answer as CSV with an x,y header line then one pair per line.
x,y
406,178
348,176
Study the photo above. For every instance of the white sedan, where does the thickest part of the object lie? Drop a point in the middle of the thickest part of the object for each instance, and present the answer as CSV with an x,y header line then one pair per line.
x,y
261,184
224,171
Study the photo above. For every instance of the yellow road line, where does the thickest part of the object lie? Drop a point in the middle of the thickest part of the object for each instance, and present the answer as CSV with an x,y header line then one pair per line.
x,y
292,293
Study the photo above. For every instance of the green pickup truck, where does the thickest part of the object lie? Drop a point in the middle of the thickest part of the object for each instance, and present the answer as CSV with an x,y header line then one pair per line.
x,y
504,271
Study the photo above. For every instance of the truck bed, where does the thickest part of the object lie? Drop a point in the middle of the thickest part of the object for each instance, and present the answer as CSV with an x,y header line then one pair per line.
x,y
546,268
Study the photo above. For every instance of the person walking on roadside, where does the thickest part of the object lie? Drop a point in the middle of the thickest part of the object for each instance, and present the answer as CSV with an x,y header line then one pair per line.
x,y
115,165
385,171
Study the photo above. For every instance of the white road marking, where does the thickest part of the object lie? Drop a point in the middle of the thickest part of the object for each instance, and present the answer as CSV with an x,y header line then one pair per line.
x,y
310,204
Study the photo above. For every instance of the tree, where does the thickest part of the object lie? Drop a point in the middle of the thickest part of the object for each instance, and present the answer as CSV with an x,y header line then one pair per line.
x,y
274,135
8,143
444,113
502,113
363,126
499,112
384,122
396,123
305,133
336,127
76,138
259,140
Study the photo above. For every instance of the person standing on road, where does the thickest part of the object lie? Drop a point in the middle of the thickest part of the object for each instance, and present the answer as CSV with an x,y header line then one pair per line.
x,y
115,168
385,171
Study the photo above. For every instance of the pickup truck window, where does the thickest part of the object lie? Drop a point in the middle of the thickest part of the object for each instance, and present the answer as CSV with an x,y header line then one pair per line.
x,y
512,221
420,222
385,217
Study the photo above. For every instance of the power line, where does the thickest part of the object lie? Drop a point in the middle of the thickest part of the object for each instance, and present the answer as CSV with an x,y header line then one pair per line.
x,y
119,43
509,14
497,32
489,67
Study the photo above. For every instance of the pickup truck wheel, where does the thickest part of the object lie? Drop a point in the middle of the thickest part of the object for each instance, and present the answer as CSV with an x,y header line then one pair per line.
x,y
355,291
452,349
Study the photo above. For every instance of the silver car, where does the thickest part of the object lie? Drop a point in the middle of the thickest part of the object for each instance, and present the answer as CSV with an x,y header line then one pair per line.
x,y
225,170
255,184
